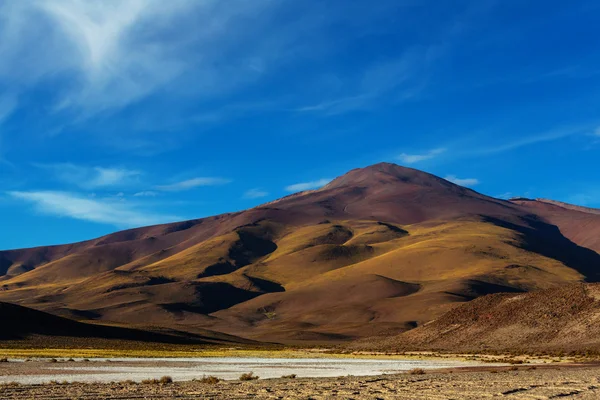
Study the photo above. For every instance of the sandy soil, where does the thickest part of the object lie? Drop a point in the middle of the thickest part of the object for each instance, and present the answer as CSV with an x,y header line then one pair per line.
x,y
582,382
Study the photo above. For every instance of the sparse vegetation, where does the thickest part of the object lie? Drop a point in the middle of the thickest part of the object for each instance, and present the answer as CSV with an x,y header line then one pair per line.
x,y
209,380
417,371
59,383
3,360
248,377
292,376
53,360
165,380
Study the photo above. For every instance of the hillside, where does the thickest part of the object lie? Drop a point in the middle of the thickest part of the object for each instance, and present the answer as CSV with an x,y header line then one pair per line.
x,y
378,251
556,319
24,324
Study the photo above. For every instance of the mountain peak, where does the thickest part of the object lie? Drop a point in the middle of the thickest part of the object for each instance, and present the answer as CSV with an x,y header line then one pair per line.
x,y
384,173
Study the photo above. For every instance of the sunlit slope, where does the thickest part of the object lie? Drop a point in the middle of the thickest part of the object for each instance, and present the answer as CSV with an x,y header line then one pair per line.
x,y
395,284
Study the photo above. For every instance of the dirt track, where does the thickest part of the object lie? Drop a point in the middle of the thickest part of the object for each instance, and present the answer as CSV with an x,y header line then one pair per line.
x,y
525,383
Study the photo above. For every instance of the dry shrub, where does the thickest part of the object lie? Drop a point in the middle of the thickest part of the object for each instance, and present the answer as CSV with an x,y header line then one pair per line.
x,y
165,380
292,376
248,377
3,360
417,371
209,380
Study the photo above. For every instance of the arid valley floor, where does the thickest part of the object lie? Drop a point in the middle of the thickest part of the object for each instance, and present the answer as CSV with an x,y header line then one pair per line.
x,y
523,382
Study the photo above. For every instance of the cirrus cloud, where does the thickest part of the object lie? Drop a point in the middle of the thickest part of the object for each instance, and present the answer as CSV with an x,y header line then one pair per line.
x,y
415,158
192,183
462,181
106,211
300,187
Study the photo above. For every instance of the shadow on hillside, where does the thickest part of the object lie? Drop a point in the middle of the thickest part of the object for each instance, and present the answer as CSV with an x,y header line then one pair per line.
x,y
22,322
547,240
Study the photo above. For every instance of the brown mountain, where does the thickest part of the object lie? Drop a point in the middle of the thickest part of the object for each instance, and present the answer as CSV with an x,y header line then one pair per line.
x,y
379,250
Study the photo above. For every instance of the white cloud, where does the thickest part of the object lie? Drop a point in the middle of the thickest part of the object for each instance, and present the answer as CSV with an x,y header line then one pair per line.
x,y
92,177
527,140
118,52
255,194
415,158
111,176
462,181
146,193
106,211
193,183
505,196
300,187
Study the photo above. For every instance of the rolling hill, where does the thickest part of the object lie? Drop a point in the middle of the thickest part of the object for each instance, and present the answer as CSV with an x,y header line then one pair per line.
x,y
378,251
36,327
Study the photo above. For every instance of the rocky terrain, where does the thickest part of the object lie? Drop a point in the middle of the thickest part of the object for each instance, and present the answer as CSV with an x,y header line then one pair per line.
x,y
515,382
562,319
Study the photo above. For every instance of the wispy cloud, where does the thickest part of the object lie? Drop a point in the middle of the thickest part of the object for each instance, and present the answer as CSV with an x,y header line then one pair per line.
x,y
299,187
527,140
401,76
415,158
114,59
255,193
106,211
597,131
462,181
193,183
92,177
146,193
111,176
504,196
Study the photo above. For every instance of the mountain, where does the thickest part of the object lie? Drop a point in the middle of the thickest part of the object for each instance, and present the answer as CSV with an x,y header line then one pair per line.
x,y
560,319
377,251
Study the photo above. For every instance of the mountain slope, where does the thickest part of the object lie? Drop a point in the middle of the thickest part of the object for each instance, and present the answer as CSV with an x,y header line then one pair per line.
x,y
556,319
379,250
579,224
21,323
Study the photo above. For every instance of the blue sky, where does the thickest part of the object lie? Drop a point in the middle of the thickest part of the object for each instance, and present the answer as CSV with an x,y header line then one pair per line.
x,y
122,114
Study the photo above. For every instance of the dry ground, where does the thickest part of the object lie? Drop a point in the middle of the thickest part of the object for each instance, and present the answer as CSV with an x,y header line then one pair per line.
x,y
581,382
